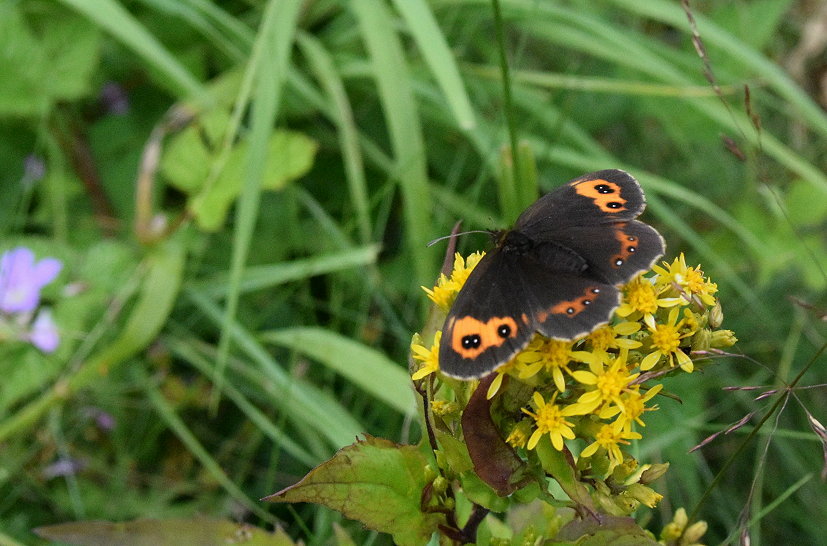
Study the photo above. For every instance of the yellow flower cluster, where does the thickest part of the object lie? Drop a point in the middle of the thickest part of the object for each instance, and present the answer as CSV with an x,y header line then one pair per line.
x,y
597,388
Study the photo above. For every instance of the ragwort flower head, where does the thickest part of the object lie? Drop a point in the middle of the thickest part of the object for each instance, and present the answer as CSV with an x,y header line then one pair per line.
x,y
666,342
550,419
591,390
429,356
688,282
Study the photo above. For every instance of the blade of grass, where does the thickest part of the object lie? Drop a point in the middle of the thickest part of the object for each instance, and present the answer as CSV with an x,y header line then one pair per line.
x,y
672,13
308,405
322,65
393,80
167,413
185,348
438,56
366,367
270,64
114,18
265,276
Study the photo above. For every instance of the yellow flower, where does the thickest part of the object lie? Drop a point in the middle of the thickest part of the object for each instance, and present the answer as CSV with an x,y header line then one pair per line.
x,y
610,438
551,355
495,385
632,408
641,297
518,437
609,383
446,289
689,281
443,293
666,340
551,419
428,357
463,267
613,337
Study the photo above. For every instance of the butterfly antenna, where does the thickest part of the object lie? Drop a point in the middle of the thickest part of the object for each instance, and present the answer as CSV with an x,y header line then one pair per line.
x,y
438,239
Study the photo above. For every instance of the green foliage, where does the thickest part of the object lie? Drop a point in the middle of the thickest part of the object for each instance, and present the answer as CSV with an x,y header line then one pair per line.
x,y
375,482
241,193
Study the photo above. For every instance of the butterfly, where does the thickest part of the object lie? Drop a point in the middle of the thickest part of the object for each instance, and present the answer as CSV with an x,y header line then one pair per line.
x,y
556,272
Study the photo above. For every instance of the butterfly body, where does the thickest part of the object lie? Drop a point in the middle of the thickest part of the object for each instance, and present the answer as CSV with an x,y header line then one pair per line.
x,y
556,272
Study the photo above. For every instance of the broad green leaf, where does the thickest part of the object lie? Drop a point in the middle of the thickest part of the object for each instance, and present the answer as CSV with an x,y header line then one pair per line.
x,y
289,156
366,367
44,62
376,482
150,532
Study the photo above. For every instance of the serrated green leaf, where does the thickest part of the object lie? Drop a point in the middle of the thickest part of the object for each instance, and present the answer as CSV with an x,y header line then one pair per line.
x,y
373,481
150,532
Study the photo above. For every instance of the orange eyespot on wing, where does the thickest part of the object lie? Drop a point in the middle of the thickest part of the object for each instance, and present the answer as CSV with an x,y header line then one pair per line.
x,y
604,194
573,307
471,337
628,246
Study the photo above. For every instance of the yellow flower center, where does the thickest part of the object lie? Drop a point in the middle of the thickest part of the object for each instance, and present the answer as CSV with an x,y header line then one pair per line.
x,y
602,338
611,383
549,418
694,281
642,296
666,338
555,353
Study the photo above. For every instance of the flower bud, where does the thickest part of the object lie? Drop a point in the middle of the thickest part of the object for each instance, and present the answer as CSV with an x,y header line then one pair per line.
x,y
723,338
643,494
654,472
716,315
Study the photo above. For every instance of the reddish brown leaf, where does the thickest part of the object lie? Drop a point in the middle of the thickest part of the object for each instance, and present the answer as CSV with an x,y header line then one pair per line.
x,y
495,462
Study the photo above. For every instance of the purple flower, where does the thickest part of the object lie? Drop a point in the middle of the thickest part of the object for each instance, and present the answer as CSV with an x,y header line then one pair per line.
x,y
34,169
43,334
115,99
63,467
21,279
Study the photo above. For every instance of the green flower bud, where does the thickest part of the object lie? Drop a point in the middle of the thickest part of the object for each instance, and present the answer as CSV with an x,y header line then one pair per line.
x,y
654,472
716,315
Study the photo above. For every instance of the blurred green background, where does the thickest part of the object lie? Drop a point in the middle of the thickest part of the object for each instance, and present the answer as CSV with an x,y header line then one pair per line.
x,y
242,192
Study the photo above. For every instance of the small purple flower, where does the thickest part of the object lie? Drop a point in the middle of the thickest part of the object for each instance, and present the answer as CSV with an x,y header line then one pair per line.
x,y
104,420
114,98
34,169
44,334
63,467
21,279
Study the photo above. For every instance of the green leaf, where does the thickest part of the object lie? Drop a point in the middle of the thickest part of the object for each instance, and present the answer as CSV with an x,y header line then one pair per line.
x,y
559,466
616,531
45,58
289,156
366,367
373,481
171,531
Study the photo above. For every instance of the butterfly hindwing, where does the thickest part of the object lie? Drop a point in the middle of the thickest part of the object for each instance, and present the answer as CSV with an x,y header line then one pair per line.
x,y
616,252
